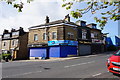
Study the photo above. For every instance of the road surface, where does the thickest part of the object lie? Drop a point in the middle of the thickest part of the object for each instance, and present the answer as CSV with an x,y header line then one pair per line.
x,y
91,66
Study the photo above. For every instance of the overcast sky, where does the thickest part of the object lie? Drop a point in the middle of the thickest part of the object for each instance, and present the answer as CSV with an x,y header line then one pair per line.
x,y
35,13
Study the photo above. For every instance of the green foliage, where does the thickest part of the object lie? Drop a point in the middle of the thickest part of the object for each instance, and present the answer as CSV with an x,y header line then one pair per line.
x,y
18,6
3,56
113,14
76,14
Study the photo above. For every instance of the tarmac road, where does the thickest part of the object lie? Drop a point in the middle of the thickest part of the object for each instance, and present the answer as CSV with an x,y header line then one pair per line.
x,y
91,66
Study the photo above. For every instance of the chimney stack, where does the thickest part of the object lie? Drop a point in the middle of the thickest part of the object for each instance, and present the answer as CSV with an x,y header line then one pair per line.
x,y
92,25
67,18
5,31
47,19
81,23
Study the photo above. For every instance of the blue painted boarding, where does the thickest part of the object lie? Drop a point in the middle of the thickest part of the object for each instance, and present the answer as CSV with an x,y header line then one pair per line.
x,y
38,52
69,50
109,41
62,51
54,51
117,40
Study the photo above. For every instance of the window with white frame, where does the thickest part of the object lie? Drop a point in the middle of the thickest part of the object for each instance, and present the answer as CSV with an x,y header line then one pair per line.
x,y
84,34
70,35
44,36
6,35
54,35
15,33
13,42
92,35
35,37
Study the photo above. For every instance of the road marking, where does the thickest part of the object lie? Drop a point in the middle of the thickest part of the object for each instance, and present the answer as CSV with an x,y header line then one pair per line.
x,y
79,64
97,74
90,55
22,74
108,55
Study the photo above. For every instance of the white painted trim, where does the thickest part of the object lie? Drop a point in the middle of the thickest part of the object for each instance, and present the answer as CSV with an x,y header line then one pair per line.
x,y
53,25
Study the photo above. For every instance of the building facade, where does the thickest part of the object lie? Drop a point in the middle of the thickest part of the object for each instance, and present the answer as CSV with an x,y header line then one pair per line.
x,y
59,38
15,43
0,44
98,42
84,38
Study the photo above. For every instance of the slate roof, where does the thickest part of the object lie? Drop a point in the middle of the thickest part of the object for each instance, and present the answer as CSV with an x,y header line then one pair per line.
x,y
53,23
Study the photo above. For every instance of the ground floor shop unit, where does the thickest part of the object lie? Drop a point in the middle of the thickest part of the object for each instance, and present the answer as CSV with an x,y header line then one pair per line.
x,y
84,49
98,48
52,51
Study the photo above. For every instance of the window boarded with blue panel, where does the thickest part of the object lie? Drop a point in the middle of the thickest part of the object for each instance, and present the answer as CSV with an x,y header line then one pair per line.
x,y
72,50
54,51
38,52
68,50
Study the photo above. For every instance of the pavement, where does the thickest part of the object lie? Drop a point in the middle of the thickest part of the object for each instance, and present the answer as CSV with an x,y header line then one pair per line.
x,y
51,59
60,59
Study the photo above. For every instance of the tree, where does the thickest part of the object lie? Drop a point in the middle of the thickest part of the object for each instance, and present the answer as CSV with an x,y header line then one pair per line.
x,y
92,7
17,3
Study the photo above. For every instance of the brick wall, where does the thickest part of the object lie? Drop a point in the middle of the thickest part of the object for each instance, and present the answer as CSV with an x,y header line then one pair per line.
x,y
23,50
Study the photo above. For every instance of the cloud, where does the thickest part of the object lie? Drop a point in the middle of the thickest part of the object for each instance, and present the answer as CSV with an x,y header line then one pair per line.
x,y
33,14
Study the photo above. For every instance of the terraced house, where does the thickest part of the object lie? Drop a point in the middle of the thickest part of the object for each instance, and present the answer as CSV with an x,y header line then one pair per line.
x,y
15,43
97,37
59,38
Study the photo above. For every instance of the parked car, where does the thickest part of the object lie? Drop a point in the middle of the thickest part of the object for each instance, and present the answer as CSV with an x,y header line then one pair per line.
x,y
113,63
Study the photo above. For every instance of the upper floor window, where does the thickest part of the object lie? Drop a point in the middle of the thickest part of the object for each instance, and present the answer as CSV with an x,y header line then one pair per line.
x,y
94,26
13,42
70,35
83,24
4,44
44,36
16,42
84,34
92,35
96,35
15,33
54,35
35,37
6,35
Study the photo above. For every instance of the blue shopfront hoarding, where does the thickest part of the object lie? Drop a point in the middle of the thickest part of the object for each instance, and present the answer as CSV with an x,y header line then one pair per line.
x,y
56,48
113,41
62,51
62,42
109,41
117,40
62,48
38,52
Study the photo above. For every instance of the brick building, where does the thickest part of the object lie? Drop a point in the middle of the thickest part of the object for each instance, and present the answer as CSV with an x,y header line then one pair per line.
x,y
98,42
59,39
15,43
